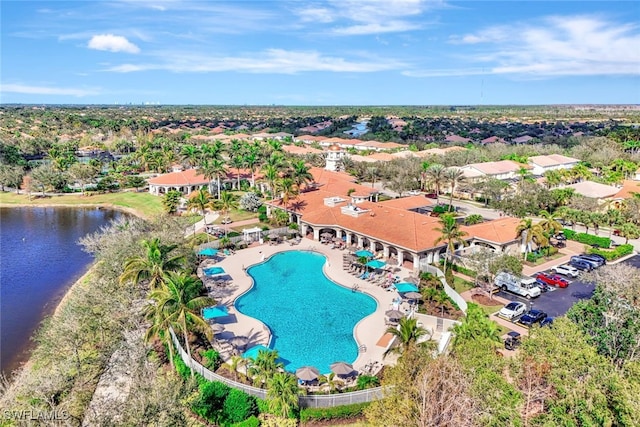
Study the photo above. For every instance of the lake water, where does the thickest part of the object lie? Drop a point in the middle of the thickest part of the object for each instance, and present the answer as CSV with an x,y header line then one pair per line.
x,y
39,259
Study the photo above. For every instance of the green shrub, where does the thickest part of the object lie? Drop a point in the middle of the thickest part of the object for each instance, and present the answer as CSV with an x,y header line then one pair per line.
x,y
181,367
252,421
463,270
210,402
587,239
239,406
338,412
211,359
443,208
616,253
233,234
367,381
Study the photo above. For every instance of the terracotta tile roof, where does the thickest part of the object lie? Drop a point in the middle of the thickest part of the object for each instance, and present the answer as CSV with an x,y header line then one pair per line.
x,y
456,138
188,177
321,175
294,149
408,202
552,160
628,188
502,230
376,157
594,190
496,168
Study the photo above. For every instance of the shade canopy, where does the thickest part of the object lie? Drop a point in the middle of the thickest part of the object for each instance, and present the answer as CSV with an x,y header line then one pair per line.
x,y
217,328
364,253
208,252
394,314
413,295
406,287
215,312
253,351
412,279
307,373
376,263
239,341
342,368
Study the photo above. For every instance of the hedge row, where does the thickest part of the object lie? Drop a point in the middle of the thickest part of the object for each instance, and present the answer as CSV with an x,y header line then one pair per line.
x,y
335,413
616,253
587,239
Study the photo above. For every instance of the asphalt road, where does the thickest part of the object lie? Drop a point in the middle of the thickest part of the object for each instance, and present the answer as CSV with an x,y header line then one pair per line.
x,y
558,301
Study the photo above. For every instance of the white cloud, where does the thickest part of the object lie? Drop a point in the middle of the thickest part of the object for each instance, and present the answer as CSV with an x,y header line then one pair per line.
x,y
376,28
48,90
272,61
316,14
556,46
112,43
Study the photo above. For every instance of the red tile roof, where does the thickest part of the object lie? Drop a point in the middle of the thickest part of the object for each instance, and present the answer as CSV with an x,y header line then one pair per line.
x,y
501,230
188,177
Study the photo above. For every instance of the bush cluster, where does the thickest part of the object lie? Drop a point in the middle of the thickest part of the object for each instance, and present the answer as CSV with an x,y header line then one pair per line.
x,y
338,412
616,253
443,208
587,239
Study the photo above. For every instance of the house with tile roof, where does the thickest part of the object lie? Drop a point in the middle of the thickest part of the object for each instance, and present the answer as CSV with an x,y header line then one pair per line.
x,y
503,169
594,190
542,164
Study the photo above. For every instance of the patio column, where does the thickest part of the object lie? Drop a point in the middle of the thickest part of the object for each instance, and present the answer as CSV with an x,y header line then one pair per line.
x,y
348,241
400,258
316,233
339,233
360,241
385,251
416,262
303,229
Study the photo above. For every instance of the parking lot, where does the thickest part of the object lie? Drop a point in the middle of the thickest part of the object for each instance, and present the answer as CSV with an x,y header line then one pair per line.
x,y
557,301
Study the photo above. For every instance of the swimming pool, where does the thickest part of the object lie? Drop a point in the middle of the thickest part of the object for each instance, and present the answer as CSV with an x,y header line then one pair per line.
x,y
311,318
212,271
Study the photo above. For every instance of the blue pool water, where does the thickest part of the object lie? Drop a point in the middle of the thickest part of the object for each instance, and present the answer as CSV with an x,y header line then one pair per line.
x,y
212,271
311,318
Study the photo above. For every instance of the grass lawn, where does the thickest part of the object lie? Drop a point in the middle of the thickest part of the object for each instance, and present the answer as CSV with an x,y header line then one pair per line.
x,y
461,285
237,215
144,203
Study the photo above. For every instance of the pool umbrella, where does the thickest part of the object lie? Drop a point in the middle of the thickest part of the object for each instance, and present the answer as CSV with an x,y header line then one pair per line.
x,y
342,368
394,314
364,253
239,341
208,252
215,312
405,287
217,328
413,295
376,263
411,279
307,373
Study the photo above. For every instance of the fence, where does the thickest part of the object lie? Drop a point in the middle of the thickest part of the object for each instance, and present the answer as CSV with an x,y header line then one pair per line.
x,y
310,401
282,231
451,293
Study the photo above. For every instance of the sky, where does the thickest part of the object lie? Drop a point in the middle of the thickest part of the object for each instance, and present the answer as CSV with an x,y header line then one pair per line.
x,y
334,52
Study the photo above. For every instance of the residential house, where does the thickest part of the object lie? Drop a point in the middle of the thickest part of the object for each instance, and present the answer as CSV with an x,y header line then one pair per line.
x,y
542,164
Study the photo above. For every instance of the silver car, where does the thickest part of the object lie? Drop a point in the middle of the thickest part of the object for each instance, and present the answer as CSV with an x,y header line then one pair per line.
x,y
512,310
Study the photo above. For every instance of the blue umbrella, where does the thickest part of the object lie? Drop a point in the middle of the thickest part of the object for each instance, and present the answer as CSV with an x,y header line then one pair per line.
x,y
215,312
376,263
364,253
405,287
208,252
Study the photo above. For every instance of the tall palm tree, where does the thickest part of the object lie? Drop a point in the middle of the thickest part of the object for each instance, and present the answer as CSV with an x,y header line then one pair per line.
x,y
282,393
553,178
237,162
189,155
178,304
454,176
451,234
424,166
372,171
550,226
227,202
213,168
251,161
200,201
271,175
153,265
408,333
288,190
264,366
530,233
436,175
524,176
300,173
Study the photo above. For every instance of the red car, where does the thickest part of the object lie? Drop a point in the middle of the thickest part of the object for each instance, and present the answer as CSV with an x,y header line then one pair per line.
x,y
552,280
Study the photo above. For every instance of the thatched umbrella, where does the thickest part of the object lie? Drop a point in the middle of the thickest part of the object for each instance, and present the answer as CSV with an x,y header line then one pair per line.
x,y
307,373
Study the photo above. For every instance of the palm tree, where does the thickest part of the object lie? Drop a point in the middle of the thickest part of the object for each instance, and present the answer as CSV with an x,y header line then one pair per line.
x,y
549,224
237,162
271,175
153,265
178,304
251,161
424,167
454,176
213,168
189,155
436,175
525,176
408,333
226,203
264,366
372,171
282,393
475,325
451,234
300,173
530,232
332,381
553,178
629,230
200,201
236,362
288,190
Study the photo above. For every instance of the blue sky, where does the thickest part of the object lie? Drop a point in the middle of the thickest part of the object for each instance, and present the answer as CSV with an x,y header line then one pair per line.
x,y
342,52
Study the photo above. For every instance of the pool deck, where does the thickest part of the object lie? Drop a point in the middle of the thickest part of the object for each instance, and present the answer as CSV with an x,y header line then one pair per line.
x,y
368,331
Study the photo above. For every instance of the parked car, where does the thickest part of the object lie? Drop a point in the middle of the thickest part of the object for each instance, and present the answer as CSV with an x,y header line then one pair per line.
x,y
566,270
226,220
552,280
512,310
532,317
560,236
594,264
512,340
543,286
580,265
547,321
616,232
595,257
